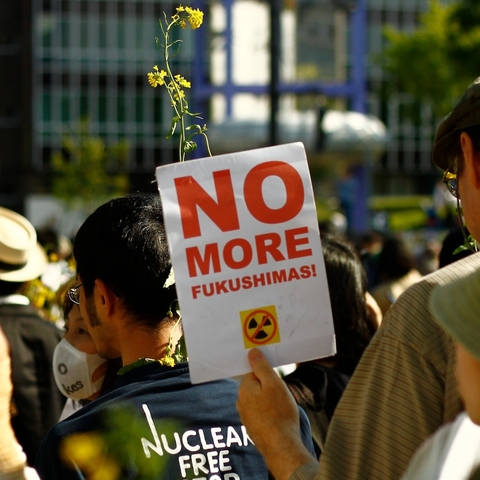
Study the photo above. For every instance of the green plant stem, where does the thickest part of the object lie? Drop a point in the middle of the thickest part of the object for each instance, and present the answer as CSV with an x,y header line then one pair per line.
x,y
179,113
207,143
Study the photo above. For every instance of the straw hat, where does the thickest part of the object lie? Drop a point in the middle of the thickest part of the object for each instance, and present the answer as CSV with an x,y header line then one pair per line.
x,y
21,257
456,307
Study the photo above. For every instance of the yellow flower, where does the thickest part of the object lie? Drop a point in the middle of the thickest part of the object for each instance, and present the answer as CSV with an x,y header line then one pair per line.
x,y
151,79
107,470
167,361
195,17
39,301
180,94
83,448
182,82
156,77
87,452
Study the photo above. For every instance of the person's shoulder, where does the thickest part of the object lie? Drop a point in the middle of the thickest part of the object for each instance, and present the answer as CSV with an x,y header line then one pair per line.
x,y
454,271
413,305
50,444
172,383
22,321
224,385
25,314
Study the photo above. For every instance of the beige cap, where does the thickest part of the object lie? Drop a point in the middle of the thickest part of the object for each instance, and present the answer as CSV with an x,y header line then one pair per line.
x,y
21,257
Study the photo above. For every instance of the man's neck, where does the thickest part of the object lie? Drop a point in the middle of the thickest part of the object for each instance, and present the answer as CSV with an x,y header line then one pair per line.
x,y
140,343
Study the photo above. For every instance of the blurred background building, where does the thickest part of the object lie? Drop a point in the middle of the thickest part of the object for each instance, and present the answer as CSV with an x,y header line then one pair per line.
x,y
67,60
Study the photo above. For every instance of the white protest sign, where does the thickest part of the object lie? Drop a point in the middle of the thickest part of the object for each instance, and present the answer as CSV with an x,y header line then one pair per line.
x,y
243,234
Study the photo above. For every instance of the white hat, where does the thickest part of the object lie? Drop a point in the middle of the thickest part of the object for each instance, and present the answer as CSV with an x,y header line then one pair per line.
x,y
21,257
456,307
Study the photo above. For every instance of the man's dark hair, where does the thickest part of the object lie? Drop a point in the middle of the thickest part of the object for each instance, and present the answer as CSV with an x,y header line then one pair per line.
x,y
124,244
395,260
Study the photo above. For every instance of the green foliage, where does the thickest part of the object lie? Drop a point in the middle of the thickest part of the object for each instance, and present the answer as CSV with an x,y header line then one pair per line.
x,y
125,428
87,171
436,62
463,37
469,244
174,84
115,450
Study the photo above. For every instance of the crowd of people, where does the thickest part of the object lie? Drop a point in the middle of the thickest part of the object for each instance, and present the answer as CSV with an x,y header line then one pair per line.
x,y
399,400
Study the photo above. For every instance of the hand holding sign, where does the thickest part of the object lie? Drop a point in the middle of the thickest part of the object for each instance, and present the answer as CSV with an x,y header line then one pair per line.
x,y
243,235
270,414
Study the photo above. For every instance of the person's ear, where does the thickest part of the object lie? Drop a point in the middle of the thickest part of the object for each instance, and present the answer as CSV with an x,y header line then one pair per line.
x,y
106,298
471,160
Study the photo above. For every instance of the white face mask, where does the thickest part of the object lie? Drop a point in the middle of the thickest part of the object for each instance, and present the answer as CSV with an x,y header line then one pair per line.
x,y
73,371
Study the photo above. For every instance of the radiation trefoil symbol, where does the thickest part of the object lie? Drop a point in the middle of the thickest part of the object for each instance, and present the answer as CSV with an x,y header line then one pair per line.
x,y
260,326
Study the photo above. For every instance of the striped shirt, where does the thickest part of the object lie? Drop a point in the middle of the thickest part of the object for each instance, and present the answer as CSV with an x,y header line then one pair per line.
x,y
403,389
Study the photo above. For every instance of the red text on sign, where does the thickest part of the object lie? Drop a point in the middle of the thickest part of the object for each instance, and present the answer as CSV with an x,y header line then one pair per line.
x,y
223,211
247,282
264,246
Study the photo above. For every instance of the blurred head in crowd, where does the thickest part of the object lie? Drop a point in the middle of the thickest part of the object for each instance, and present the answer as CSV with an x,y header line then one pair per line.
x,y
347,285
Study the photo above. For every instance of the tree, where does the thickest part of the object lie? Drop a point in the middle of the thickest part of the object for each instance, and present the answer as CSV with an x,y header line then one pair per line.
x,y
86,172
436,62
463,37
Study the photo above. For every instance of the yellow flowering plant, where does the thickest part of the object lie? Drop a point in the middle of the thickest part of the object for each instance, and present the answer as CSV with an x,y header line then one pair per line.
x,y
101,456
111,453
175,84
175,351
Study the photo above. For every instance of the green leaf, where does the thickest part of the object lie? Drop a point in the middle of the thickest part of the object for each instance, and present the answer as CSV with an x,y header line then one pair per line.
x,y
194,127
470,244
460,249
190,146
181,350
173,126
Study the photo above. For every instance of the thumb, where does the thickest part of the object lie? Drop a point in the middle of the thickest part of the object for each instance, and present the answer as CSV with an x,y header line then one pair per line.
x,y
260,365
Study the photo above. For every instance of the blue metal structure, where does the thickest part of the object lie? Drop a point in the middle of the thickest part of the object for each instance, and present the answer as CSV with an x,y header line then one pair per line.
x,y
354,89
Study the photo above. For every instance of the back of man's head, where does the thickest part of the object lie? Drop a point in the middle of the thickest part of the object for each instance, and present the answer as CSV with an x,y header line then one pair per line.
x,y
124,244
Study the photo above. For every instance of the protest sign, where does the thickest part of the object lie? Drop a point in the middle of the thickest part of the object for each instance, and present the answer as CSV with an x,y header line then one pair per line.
x,y
243,234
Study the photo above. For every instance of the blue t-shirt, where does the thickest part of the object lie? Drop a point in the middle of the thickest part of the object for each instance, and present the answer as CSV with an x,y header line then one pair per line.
x,y
206,441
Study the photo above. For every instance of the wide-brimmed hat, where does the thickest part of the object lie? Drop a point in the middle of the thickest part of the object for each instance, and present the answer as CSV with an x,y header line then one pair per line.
x,y
456,307
466,113
21,257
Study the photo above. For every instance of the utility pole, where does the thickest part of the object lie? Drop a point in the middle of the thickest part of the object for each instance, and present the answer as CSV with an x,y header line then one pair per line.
x,y
275,53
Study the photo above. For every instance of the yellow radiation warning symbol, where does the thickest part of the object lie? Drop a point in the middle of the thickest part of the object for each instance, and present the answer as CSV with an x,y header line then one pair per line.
x,y
260,326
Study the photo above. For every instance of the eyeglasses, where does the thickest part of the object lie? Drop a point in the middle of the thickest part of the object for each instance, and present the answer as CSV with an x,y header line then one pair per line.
x,y
450,180
74,294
